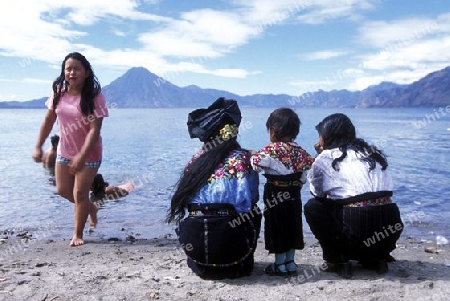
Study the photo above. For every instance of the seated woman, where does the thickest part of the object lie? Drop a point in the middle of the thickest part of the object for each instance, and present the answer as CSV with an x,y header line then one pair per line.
x,y
352,215
102,192
219,189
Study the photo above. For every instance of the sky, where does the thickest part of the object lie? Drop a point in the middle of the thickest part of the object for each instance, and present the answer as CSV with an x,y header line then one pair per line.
x,y
242,46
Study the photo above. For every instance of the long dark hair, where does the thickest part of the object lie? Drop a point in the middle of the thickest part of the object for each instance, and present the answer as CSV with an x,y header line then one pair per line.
x,y
91,87
98,186
196,175
338,131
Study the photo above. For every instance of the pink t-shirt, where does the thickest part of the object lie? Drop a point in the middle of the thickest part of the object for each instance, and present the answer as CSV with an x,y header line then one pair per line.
x,y
74,126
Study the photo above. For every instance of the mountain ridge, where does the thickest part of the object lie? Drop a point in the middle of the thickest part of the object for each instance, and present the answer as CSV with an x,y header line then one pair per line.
x,y
140,88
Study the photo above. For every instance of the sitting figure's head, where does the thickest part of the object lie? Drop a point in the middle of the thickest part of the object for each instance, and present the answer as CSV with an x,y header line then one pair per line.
x,y
219,122
98,186
54,140
336,130
283,125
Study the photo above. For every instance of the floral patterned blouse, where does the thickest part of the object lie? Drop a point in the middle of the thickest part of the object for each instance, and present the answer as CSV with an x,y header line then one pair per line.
x,y
282,158
233,182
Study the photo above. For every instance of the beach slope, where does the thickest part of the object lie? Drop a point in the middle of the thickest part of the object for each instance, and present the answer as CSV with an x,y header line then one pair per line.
x,y
156,269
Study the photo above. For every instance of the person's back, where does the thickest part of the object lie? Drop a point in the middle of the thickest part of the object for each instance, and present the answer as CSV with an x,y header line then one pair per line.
x,y
217,184
49,157
285,165
232,179
353,178
352,203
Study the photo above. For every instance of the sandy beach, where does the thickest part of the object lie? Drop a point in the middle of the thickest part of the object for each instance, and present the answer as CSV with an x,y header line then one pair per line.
x,y
155,269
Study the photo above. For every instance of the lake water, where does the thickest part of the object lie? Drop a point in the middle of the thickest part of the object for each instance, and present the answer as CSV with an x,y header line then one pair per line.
x,y
151,146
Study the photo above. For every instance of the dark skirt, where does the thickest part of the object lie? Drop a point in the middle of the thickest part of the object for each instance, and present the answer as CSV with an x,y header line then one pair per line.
x,y
354,233
371,232
220,245
283,229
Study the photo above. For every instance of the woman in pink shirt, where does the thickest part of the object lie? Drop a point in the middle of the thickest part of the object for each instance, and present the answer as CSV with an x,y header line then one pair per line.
x,y
79,106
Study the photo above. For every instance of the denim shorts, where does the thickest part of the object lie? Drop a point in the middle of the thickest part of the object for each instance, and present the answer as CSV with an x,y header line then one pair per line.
x,y
63,160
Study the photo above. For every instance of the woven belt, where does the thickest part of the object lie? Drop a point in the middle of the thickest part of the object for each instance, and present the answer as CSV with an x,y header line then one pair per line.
x,y
372,202
285,183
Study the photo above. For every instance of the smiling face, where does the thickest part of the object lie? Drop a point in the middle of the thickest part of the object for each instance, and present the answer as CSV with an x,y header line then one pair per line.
x,y
75,74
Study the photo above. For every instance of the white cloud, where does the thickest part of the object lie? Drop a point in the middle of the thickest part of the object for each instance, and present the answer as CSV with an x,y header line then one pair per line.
x,y
362,83
64,26
384,34
261,15
324,10
200,33
8,97
422,52
90,12
407,50
188,42
35,38
352,72
406,68
266,13
119,33
49,26
235,73
322,55
398,77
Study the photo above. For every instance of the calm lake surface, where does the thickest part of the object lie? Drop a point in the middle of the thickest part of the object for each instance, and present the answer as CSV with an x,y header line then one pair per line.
x,y
151,146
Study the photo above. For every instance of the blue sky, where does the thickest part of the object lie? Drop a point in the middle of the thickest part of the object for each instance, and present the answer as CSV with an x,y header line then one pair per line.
x,y
241,46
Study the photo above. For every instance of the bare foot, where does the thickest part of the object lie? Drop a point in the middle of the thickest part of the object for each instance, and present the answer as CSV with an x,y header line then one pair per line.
x,y
93,214
76,241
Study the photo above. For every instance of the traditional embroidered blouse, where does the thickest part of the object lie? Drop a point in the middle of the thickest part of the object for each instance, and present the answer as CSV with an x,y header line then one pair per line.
x,y
352,178
282,158
233,182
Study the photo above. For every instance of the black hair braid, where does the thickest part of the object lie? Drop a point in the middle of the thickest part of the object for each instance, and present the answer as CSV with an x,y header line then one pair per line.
x,y
371,154
196,175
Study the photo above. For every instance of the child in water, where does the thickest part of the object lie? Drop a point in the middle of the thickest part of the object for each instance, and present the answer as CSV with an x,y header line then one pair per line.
x,y
49,157
101,191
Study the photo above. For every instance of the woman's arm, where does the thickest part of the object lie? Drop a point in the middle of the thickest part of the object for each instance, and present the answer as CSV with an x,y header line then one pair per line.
x,y
317,177
44,131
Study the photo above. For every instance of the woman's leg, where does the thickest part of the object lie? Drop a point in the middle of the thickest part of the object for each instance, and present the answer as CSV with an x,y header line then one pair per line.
x,y
321,221
83,206
64,181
